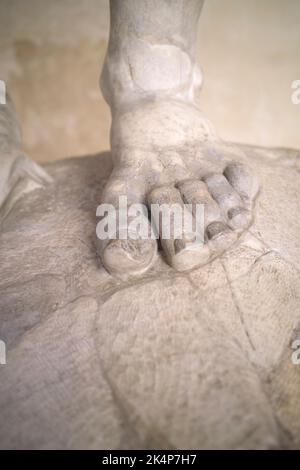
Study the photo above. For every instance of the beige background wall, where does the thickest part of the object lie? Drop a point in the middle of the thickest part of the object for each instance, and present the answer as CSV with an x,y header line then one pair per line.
x,y
51,52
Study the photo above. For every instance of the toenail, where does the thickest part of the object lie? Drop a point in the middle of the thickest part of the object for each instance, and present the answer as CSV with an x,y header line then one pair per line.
x,y
179,245
215,229
239,217
236,211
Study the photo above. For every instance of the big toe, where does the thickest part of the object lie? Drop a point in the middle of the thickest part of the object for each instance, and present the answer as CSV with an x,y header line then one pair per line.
x,y
128,250
127,258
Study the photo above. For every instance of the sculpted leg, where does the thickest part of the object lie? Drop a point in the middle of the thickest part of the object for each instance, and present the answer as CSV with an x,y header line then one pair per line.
x,y
164,149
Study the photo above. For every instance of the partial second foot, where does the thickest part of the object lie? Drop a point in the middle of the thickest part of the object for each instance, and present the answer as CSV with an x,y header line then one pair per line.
x,y
166,152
